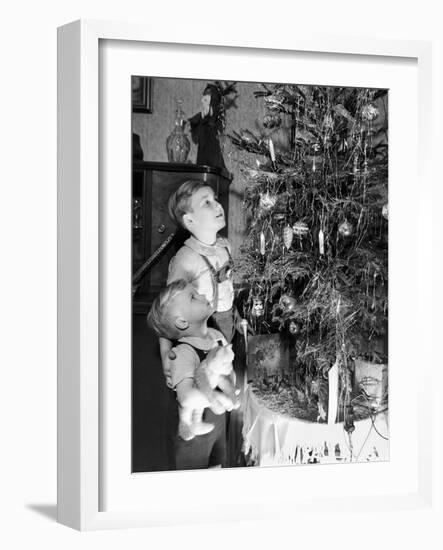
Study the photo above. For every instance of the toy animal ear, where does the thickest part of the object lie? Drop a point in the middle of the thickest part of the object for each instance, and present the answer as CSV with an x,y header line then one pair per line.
x,y
180,323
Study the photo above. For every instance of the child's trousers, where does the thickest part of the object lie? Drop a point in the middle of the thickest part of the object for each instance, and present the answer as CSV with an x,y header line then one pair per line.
x,y
203,451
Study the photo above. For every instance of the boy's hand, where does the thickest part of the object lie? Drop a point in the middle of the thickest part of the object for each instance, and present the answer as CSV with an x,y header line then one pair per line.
x,y
221,402
166,363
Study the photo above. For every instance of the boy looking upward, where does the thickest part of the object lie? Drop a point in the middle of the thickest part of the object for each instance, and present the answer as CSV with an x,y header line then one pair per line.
x,y
180,314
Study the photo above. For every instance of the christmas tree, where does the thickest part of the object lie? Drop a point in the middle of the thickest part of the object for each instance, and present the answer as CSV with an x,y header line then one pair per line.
x,y
315,257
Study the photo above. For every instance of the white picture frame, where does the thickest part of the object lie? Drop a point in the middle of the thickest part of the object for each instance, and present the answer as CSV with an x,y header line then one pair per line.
x,y
81,211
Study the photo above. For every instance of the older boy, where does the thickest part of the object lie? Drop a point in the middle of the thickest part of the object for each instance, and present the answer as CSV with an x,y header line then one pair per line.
x,y
205,259
180,313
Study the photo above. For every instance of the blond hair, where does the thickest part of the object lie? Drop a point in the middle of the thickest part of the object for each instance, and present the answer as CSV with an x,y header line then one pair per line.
x,y
159,316
179,202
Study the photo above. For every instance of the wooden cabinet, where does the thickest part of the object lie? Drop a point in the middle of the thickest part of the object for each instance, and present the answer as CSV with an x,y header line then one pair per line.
x,y
152,185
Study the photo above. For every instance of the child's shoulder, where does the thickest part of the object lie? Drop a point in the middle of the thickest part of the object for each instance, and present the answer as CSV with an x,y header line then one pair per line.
x,y
185,353
186,257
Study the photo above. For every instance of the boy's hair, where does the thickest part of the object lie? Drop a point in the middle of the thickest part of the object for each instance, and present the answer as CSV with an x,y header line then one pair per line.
x,y
159,317
180,201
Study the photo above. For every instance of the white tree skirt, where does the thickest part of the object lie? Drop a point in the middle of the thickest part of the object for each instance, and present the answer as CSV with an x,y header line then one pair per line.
x,y
276,439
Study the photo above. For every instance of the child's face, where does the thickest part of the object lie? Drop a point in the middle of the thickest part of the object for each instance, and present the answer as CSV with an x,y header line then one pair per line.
x,y
190,306
206,213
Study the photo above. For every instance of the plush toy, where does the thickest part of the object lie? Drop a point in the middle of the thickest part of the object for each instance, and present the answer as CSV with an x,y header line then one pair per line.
x,y
214,388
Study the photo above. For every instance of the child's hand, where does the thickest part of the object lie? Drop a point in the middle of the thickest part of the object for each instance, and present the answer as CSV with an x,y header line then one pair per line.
x,y
221,402
168,355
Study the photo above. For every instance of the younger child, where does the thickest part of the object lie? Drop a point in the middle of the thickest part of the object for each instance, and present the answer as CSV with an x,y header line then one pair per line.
x,y
180,314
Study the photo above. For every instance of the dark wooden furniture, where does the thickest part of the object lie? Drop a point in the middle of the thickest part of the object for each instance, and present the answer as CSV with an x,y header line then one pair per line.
x,y
152,402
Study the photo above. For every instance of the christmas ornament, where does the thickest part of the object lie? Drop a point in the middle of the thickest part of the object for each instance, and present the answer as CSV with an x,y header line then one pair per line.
x,y
321,242
316,148
247,137
272,121
294,328
267,200
345,229
288,303
271,150
262,243
279,216
288,235
355,168
300,229
385,211
369,112
342,145
257,307
274,102
328,121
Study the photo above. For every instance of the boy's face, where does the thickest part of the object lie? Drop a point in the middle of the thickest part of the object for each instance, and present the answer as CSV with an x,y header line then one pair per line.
x,y
188,307
205,212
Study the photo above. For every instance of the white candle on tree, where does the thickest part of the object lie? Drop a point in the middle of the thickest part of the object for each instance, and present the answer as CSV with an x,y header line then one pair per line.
x,y
271,150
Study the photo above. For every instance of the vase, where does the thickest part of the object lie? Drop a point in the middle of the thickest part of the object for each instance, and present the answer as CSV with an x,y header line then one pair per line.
x,y
177,143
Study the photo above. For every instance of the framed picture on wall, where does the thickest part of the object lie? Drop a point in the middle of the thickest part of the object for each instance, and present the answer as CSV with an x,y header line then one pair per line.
x,y
141,87
98,487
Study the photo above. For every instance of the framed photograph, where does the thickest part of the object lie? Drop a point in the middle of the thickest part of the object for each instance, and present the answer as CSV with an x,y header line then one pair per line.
x,y
307,176
141,87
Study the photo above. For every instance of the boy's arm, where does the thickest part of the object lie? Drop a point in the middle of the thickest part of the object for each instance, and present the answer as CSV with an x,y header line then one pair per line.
x,y
167,355
182,266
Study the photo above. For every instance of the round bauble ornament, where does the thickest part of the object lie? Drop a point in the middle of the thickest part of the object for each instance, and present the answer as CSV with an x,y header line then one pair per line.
x,y
300,229
279,216
385,211
287,303
257,307
294,328
345,229
369,112
250,172
247,138
288,235
271,121
267,201
274,101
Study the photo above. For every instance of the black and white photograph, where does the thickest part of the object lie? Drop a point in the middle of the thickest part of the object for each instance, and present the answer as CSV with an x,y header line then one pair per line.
x,y
260,275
